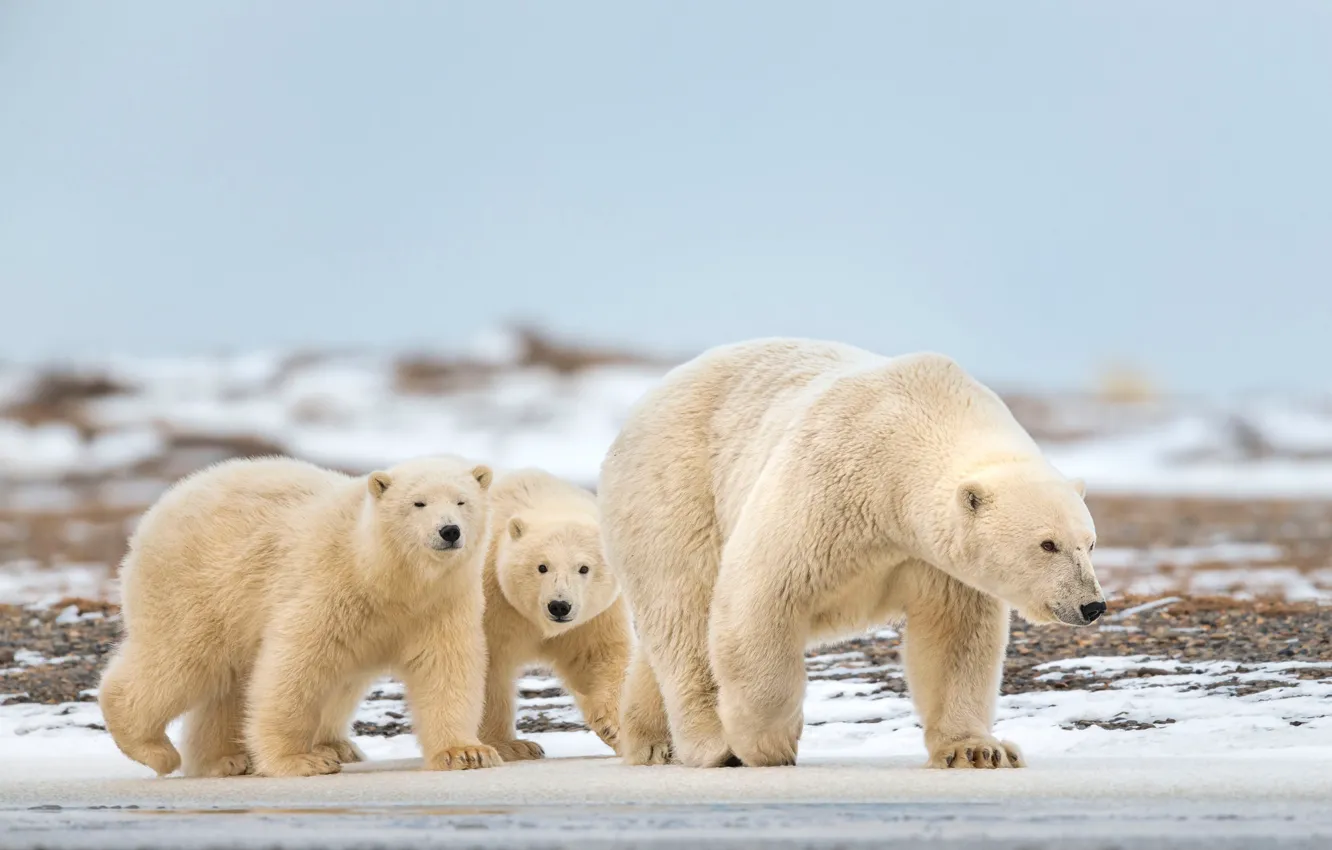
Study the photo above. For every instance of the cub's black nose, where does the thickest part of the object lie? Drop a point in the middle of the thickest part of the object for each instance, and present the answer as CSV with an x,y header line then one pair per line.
x,y
451,533
559,608
1092,610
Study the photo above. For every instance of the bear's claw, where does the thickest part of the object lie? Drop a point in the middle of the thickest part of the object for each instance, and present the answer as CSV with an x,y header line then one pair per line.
x,y
471,757
976,753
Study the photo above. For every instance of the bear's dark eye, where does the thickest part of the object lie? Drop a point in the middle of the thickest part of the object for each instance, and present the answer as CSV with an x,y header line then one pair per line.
x,y
1091,545
420,504
1049,546
583,570
541,568
460,504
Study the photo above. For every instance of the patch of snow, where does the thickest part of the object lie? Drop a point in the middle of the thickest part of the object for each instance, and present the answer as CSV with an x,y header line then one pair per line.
x,y
1146,606
29,583
70,615
1187,556
1187,707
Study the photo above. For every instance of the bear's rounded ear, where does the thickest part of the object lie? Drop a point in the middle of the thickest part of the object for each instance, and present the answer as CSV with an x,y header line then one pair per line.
x,y
379,482
1080,486
516,528
972,495
483,475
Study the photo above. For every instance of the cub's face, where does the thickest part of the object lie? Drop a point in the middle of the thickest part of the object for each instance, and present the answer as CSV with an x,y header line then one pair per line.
x,y
433,506
553,572
1028,539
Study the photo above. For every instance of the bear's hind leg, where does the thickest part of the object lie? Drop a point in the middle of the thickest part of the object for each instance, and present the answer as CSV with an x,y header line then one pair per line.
x,y
139,696
645,732
215,736
298,668
334,735
675,638
757,639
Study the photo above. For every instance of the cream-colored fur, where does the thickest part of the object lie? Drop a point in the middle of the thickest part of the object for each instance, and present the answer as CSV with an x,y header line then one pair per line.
x,y
263,596
777,493
540,521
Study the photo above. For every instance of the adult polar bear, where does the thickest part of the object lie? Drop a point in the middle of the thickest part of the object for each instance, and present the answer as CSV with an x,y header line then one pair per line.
x,y
778,492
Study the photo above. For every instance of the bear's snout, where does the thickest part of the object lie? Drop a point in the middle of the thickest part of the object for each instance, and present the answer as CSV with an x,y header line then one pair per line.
x,y
450,534
559,609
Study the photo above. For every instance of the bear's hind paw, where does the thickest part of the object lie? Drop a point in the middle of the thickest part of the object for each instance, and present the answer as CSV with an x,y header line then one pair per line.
x,y
644,754
234,764
519,750
344,751
302,764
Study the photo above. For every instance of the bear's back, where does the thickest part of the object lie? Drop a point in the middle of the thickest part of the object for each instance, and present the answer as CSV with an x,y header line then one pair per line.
x,y
718,421
236,515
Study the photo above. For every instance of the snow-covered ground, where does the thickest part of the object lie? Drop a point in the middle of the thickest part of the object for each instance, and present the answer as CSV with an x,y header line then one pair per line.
x,y
1209,770
1143,706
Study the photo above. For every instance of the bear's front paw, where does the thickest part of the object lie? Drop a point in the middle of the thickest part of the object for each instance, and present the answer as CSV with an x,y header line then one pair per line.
x,y
344,751
465,758
302,764
519,750
985,753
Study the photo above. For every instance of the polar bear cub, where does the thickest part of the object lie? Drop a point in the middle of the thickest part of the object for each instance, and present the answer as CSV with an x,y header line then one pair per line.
x,y
776,493
263,596
550,598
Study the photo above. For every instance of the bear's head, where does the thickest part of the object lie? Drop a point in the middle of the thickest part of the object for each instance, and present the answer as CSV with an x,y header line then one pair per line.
x,y
551,570
1026,536
436,507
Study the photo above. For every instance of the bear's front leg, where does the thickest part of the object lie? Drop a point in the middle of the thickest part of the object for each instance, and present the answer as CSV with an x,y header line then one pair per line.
x,y
443,673
955,642
592,661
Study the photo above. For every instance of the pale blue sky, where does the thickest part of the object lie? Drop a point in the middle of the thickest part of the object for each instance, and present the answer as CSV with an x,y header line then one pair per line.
x,y
1032,187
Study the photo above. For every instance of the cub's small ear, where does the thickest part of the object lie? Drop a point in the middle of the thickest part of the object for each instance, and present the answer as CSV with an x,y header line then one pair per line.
x,y
972,495
379,482
483,475
1080,486
516,528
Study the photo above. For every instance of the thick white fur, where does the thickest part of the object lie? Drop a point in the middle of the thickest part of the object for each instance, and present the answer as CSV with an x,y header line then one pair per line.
x,y
776,493
542,521
263,596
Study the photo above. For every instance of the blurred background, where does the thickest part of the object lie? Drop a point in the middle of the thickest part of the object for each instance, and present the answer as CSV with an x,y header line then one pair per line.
x,y
354,232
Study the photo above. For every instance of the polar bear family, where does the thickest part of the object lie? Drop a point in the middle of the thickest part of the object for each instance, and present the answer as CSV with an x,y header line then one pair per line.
x,y
763,497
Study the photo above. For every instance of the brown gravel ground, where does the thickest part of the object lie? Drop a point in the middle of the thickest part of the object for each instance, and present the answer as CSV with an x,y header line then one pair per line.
x,y
1188,630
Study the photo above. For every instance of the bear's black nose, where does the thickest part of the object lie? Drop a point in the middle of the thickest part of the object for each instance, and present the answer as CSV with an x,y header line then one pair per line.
x,y
559,609
451,533
1092,610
